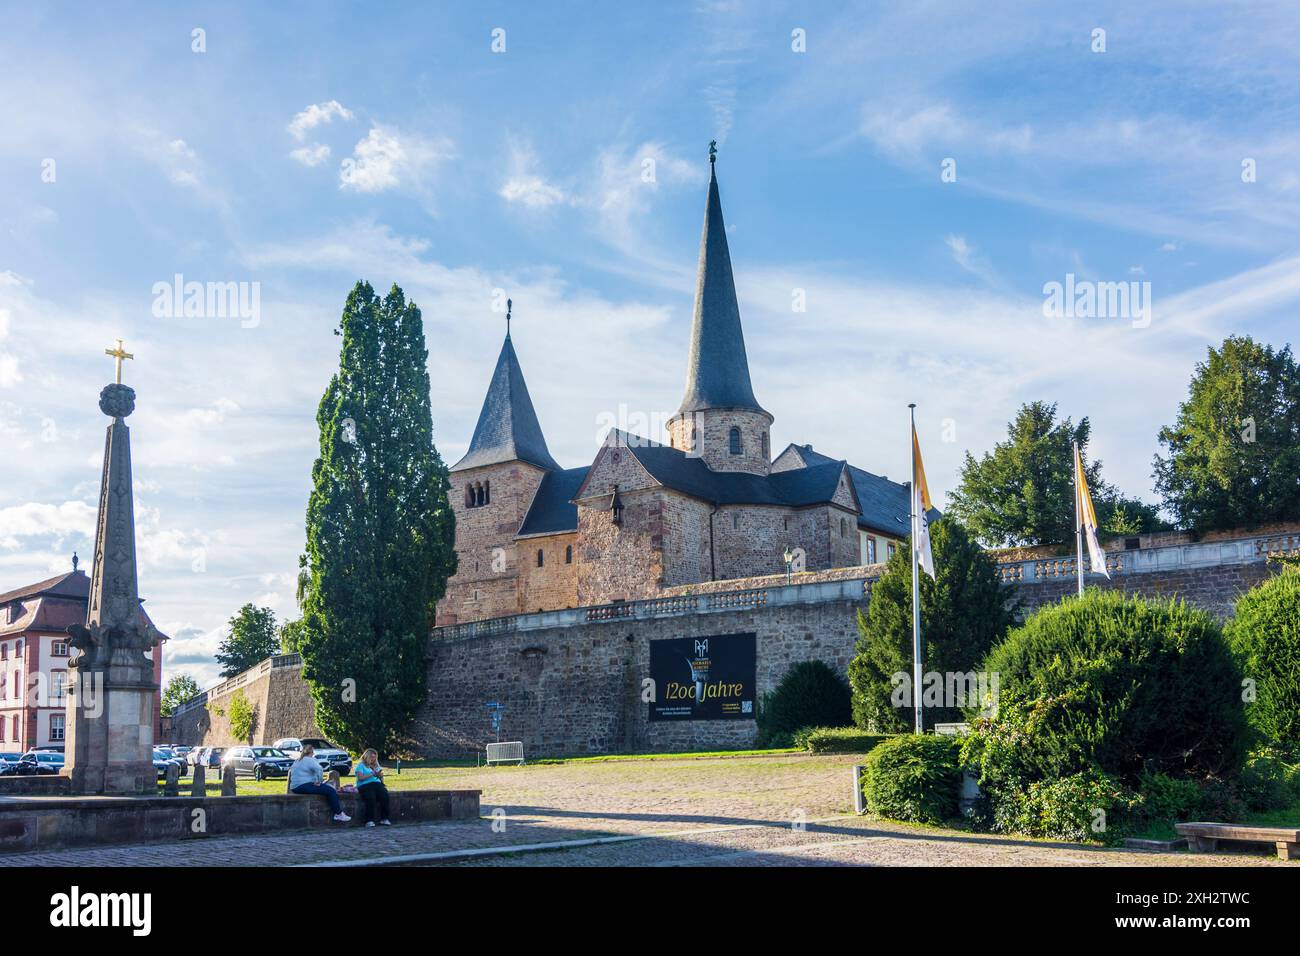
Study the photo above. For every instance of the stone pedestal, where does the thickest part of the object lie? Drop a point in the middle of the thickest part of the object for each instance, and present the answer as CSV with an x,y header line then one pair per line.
x,y
109,744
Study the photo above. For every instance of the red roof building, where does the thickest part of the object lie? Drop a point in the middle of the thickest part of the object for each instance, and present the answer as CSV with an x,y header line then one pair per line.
x,y
34,660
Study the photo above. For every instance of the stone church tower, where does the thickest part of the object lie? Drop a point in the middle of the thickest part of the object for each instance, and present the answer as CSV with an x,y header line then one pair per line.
x,y
719,420
492,488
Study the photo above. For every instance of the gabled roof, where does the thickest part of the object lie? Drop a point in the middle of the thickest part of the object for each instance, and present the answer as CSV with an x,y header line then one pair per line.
x,y
885,505
689,475
717,370
552,510
74,584
507,428
55,616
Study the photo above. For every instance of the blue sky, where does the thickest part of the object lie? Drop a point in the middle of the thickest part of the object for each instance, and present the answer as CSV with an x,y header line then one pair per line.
x,y
308,146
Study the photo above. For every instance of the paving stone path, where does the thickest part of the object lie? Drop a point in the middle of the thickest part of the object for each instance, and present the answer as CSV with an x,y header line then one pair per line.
x,y
766,811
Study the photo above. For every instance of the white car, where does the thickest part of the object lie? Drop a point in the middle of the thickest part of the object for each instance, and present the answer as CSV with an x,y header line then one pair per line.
x,y
327,755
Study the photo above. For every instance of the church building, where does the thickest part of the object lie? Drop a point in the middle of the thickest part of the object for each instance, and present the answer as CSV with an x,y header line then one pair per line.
x,y
714,504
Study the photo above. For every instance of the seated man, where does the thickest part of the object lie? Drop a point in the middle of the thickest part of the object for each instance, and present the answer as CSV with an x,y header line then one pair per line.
x,y
305,777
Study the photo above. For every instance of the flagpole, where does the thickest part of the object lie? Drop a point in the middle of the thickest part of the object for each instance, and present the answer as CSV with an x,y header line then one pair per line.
x,y
1078,520
916,582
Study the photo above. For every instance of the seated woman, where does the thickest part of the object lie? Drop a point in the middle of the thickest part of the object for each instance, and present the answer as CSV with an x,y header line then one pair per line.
x,y
370,784
305,777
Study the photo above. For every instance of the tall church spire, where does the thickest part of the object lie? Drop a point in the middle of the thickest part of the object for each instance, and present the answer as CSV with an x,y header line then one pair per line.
x,y
717,370
507,428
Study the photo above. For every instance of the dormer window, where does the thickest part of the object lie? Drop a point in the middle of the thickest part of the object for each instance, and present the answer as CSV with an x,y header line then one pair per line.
x,y
736,447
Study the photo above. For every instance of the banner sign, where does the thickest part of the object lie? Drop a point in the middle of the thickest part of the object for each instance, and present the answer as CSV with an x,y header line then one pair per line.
x,y
704,678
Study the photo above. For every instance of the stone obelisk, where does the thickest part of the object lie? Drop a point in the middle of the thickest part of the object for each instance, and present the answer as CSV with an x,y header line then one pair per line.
x,y
111,691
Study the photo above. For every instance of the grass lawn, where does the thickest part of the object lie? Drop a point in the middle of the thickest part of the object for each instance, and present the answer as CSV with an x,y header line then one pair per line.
x,y
458,774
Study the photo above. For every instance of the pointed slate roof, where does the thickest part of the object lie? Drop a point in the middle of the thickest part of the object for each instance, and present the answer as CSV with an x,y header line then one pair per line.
x,y
507,428
717,370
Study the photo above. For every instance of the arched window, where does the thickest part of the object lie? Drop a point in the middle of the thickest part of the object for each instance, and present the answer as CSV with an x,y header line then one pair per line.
x,y
766,452
487,492
736,448
469,496
844,528
541,557
568,554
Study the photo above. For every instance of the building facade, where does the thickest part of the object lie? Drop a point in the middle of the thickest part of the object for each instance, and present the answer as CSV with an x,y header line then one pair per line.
x,y
34,656
715,503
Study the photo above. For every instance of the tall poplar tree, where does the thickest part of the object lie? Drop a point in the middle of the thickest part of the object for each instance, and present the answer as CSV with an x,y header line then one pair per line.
x,y
380,531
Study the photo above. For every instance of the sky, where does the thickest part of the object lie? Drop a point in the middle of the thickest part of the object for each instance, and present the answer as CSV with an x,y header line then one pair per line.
x,y
902,184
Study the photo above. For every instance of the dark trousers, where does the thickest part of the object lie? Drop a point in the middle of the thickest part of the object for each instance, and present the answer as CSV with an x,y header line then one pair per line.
x,y
374,799
329,793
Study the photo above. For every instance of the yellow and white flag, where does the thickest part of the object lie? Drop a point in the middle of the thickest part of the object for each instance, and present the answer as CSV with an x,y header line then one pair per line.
x,y
1088,516
921,506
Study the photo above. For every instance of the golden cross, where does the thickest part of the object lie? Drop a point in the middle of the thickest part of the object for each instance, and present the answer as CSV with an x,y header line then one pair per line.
x,y
119,353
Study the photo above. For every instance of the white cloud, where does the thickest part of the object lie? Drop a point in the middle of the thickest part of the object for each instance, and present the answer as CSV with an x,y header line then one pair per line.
x,y
387,158
532,191
312,155
314,116
36,519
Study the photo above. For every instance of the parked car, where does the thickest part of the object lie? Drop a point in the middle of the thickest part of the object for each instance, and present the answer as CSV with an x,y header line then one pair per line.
x,y
210,757
161,761
260,762
327,755
43,762
168,754
8,761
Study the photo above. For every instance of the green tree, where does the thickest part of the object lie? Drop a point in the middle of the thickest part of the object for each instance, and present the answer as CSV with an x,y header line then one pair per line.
x,y
291,636
179,689
1233,455
380,531
964,612
242,717
1265,633
1022,492
252,639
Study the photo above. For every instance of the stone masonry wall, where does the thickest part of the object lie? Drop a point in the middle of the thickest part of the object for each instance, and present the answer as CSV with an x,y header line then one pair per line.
x,y
486,583
710,430
1214,589
282,707
554,585
569,690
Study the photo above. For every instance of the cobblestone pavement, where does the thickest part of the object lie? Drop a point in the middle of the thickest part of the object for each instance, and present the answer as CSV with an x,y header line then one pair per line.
x,y
705,812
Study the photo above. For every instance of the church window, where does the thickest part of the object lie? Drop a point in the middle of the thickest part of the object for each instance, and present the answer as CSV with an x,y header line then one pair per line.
x,y
541,557
736,447
844,528
568,554
765,449
786,521
735,522
487,492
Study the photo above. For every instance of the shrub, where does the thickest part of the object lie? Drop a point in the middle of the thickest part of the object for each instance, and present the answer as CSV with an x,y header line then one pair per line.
x,y
1167,799
913,777
1265,633
1267,783
811,694
837,740
1115,684
1083,807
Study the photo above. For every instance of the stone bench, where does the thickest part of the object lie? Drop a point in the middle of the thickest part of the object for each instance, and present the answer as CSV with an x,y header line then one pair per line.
x,y
47,823
1205,837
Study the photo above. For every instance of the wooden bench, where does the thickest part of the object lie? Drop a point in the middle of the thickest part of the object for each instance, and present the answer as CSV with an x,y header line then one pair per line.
x,y
1205,837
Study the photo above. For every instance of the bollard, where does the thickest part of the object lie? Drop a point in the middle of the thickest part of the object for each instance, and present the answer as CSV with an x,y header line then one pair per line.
x,y
171,777
228,782
399,766
859,798
199,788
